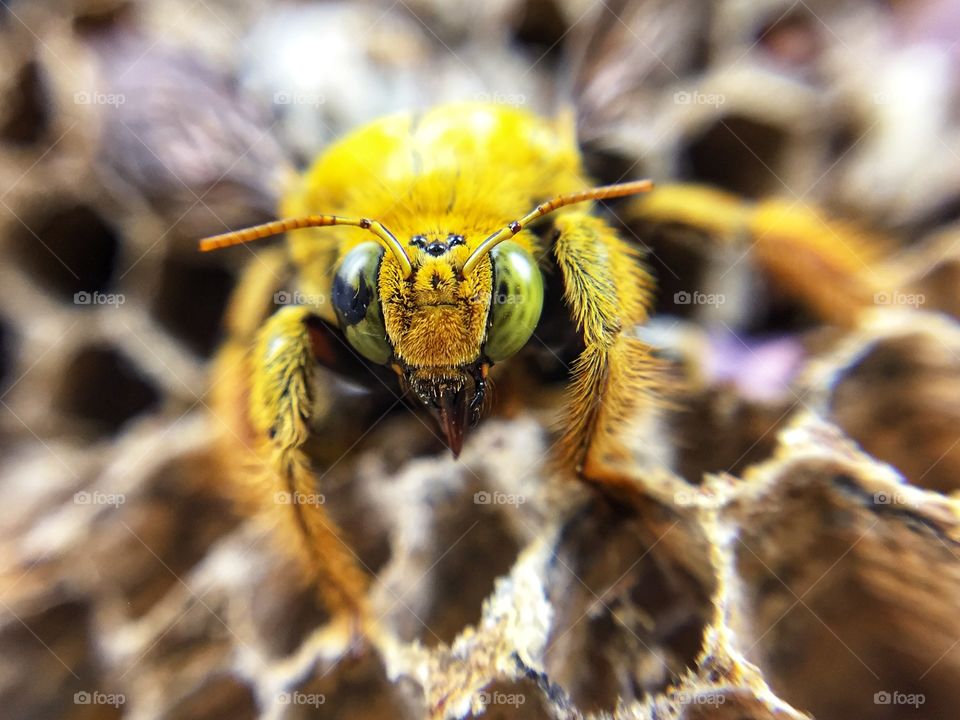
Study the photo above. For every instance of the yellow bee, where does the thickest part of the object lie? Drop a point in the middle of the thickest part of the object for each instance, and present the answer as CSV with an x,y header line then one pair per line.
x,y
417,263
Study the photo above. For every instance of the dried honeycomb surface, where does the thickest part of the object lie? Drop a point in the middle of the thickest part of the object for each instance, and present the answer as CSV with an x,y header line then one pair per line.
x,y
787,545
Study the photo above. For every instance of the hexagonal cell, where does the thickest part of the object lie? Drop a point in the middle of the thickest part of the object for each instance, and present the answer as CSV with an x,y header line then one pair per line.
x,y
102,388
145,547
438,586
481,549
629,617
847,600
26,115
69,249
55,643
679,260
717,430
190,301
737,153
283,620
541,27
607,165
899,402
215,145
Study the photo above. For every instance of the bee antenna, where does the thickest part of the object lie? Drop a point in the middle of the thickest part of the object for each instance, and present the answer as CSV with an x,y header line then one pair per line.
x,y
598,193
257,232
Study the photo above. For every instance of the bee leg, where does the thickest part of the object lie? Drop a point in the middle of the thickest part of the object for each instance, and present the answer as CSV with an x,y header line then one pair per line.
x,y
283,403
826,264
607,293
264,394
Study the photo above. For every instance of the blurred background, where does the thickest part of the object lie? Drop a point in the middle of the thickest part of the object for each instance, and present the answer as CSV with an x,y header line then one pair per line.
x,y
129,586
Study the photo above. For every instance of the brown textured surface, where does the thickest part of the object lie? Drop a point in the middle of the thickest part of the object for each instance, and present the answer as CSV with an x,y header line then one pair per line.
x,y
767,564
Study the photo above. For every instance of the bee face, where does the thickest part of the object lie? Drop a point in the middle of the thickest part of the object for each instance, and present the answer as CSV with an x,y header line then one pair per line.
x,y
435,321
436,318
440,328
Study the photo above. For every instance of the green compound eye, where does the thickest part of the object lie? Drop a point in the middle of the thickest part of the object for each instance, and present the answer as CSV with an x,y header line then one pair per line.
x,y
516,303
356,301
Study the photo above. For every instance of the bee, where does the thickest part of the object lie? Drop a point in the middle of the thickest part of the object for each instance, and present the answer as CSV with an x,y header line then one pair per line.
x,y
426,250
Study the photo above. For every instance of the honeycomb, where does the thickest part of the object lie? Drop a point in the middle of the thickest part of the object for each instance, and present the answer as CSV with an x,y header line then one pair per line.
x,y
789,544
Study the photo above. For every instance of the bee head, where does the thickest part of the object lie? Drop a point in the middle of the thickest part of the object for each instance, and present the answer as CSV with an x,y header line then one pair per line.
x,y
436,317
436,322
446,327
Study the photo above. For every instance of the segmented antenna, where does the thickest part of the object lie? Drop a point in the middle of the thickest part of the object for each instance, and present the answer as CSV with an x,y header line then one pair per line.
x,y
598,193
257,232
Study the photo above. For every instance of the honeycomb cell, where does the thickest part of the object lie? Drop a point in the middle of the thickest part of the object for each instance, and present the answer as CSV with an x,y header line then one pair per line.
x,y
56,642
737,153
190,301
103,389
67,250
609,165
910,418
628,617
822,543
719,431
541,27
481,550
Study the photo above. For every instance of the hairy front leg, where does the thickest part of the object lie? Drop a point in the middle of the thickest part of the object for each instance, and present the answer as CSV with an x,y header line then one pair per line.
x,y
284,403
265,385
607,293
